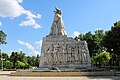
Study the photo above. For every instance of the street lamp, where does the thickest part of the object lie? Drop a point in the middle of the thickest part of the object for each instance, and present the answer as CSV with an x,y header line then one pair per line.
x,y
114,62
2,59
112,57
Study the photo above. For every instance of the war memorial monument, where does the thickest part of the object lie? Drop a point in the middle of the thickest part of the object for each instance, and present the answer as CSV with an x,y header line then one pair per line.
x,y
61,51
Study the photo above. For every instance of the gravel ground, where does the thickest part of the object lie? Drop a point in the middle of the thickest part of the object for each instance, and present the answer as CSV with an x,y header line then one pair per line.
x,y
4,75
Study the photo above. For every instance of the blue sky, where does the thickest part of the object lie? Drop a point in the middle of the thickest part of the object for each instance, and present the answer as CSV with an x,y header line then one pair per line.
x,y
26,22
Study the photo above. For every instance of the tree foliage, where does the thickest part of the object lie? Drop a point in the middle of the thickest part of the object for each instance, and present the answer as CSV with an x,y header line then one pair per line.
x,y
20,65
112,42
19,60
34,60
6,64
14,57
4,55
94,41
112,39
101,59
2,37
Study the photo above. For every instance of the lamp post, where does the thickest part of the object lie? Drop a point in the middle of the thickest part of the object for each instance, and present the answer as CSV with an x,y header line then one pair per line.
x,y
2,60
114,62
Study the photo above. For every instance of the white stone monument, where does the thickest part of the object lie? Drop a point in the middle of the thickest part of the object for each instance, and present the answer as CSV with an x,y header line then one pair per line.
x,y
61,51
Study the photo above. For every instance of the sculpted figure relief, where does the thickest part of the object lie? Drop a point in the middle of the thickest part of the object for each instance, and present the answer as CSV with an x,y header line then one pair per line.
x,y
69,53
49,56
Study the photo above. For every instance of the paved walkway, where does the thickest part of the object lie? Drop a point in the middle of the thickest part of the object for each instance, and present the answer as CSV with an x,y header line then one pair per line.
x,y
4,75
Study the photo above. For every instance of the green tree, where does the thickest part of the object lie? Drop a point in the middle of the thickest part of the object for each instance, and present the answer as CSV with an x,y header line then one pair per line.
x,y
94,41
22,57
8,64
2,37
37,61
33,61
18,56
20,65
27,66
112,41
89,37
4,56
14,57
30,60
98,38
101,59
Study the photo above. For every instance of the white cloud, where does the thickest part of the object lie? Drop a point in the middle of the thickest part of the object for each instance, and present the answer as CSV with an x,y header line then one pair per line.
x,y
76,33
30,22
27,22
12,9
39,43
30,47
36,26
98,29
20,49
0,23
19,1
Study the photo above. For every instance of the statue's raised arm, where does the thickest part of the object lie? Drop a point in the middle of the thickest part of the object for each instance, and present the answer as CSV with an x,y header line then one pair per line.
x,y
58,11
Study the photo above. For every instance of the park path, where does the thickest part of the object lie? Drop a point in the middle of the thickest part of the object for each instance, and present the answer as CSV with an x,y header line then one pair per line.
x,y
4,75
53,78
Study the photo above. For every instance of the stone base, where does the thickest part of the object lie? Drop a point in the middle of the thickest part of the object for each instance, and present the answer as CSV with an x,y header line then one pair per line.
x,y
65,67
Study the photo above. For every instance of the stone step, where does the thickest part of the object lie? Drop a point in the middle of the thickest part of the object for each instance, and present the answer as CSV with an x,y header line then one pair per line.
x,y
117,73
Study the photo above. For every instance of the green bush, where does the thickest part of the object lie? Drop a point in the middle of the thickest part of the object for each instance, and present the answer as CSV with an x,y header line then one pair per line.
x,y
101,59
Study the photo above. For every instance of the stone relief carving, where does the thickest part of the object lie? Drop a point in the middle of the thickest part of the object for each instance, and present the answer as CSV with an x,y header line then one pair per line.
x,y
65,53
